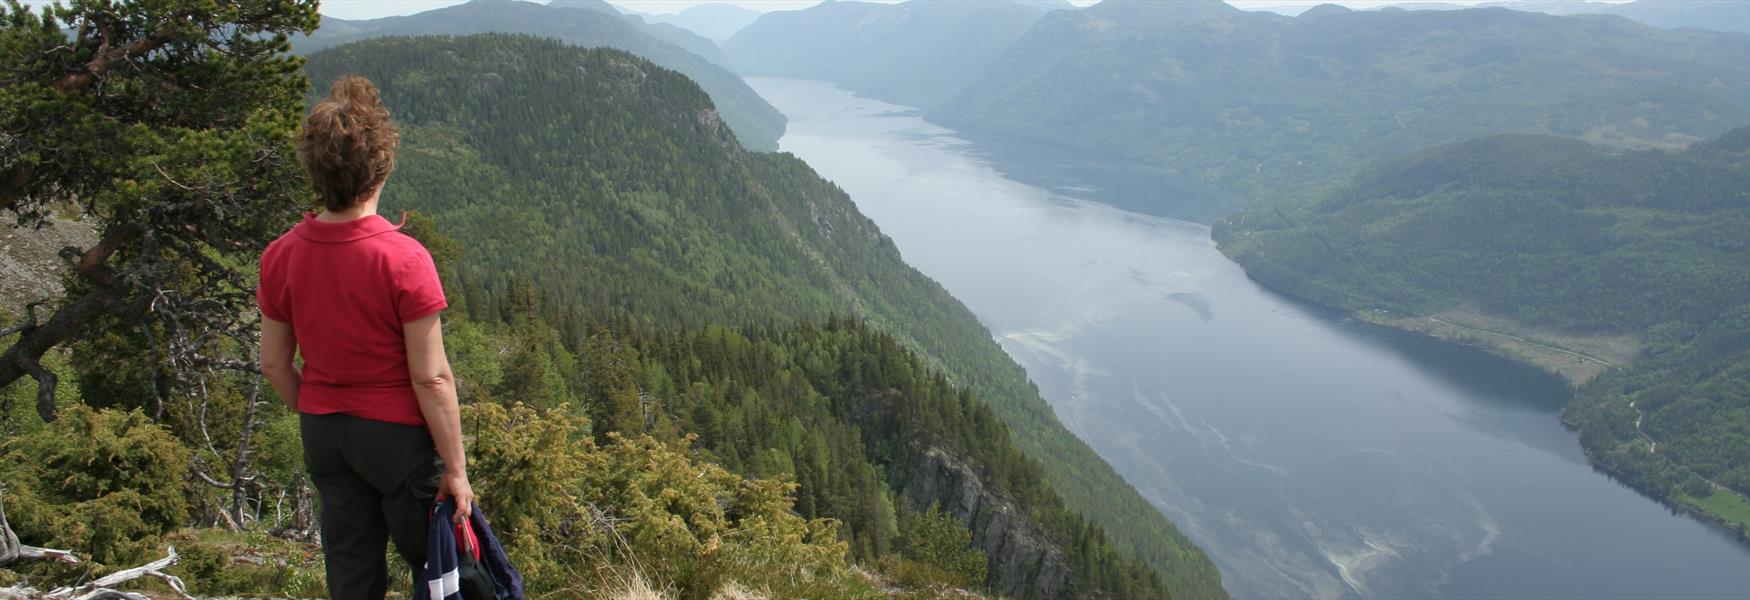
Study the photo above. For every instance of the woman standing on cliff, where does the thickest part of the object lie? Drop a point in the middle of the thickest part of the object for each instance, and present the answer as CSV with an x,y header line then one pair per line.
x,y
360,301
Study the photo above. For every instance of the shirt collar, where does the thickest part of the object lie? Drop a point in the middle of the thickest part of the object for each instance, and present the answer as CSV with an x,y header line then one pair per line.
x,y
345,231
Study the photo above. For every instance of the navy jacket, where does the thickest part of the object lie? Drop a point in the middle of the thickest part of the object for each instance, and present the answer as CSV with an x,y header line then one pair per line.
x,y
451,574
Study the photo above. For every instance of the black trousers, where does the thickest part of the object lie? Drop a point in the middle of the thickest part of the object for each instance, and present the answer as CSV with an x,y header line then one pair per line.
x,y
375,481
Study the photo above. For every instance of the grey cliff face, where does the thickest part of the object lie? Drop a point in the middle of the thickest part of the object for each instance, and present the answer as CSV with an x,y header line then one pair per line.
x,y
1023,562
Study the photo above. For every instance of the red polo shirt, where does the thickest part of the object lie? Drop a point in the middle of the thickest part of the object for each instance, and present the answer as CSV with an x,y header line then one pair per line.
x,y
347,289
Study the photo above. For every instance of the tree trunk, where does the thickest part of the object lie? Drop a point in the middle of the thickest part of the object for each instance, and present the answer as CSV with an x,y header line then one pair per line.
x,y
25,355
34,340
240,466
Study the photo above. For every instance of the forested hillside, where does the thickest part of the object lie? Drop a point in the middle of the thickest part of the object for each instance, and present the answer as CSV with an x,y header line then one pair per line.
x,y
1275,106
589,23
1558,235
608,185
913,53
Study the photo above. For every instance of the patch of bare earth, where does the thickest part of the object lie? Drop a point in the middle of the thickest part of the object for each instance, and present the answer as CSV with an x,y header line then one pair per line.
x,y
30,264
1576,357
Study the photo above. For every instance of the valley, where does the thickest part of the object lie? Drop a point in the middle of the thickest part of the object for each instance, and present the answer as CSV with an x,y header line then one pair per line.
x,y
1031,299
1309,453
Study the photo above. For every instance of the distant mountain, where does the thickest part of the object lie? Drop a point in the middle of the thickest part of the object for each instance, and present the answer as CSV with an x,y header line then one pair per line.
x,y
1437,6
1562,242
915,53
600,6
715,21
687,40
584,23
1719,15
1269,105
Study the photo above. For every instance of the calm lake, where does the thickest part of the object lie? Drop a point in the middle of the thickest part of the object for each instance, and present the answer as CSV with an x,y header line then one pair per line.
x,y
1308,454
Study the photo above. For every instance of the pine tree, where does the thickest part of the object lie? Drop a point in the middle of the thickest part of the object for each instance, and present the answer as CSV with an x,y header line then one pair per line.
x,y
169,123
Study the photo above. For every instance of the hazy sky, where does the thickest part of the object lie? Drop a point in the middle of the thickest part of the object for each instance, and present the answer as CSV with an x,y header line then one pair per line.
x,y
365,9
371,9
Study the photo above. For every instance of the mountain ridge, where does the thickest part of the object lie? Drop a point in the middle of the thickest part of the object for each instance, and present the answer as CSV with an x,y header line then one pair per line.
x,y
915,53
715,21
1278,107
585,22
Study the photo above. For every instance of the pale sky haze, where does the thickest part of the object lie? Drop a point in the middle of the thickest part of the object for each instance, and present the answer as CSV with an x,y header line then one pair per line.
x,y
371,9
368,9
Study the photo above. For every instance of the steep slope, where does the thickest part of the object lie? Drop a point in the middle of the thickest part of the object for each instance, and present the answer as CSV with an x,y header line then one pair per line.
x,y
610,184
756,124
715,21
1545,237
1272,105
916,53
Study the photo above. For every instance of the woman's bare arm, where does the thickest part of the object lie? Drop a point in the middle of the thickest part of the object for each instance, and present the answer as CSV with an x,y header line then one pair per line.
x,y
436,387
278,345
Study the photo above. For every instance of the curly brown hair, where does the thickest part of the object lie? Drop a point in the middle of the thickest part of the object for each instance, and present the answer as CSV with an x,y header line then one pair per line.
x,y
348,143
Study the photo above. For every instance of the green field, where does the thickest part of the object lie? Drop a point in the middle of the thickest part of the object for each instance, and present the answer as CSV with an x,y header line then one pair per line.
x,y
1726,504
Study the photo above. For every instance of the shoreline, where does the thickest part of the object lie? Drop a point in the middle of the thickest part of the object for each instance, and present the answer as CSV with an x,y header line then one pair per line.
x,y
1675,504
1738,531
1576,368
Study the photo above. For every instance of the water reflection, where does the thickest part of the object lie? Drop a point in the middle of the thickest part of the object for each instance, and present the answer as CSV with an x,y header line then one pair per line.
x,y
1107,181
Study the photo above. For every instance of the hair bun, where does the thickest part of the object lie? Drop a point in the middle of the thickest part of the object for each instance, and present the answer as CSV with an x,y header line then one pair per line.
x,y
347,145
358,92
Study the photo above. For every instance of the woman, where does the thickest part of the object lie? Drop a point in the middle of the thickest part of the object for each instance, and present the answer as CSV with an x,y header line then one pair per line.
x,y
360,301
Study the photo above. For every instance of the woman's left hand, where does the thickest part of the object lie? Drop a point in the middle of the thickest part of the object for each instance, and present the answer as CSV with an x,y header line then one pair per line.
x,y
455,485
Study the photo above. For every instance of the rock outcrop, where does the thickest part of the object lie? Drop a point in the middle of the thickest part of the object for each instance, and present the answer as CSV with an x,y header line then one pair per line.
x,y
30,266
1023,561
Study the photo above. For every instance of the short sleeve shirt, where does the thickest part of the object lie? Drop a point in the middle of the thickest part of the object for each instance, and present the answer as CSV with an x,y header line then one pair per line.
x,y
347,289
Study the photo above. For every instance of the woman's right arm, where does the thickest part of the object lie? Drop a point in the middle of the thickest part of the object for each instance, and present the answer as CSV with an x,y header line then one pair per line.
x,y
278,344
435,386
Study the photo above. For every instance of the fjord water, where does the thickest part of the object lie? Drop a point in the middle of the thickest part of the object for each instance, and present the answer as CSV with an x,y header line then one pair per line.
x,y
1310,455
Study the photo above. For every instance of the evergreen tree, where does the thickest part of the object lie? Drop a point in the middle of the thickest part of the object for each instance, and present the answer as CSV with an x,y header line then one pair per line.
x,y
169,123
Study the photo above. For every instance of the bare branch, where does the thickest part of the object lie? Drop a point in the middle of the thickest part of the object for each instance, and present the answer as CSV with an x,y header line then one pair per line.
x,y
46,382
240,466
208,479
105,55
17,328
92,262
170,179
35,553
27,324
226,364
101,587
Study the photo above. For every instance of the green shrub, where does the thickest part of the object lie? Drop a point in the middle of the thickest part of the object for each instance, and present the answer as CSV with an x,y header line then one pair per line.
x,y
940,551
216,562
695,526
525,465
105,484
